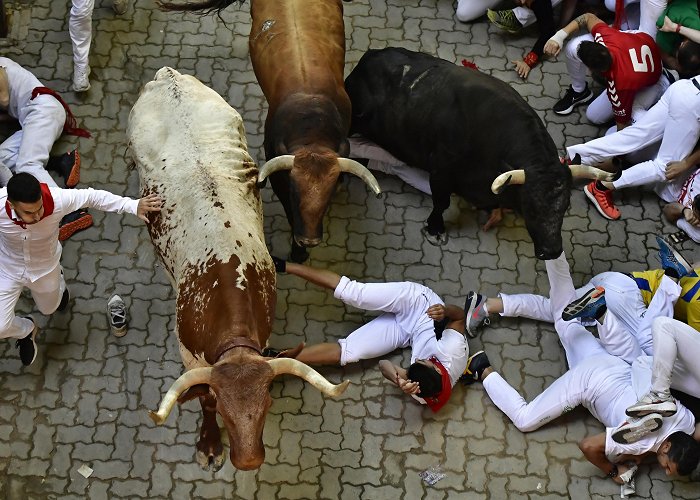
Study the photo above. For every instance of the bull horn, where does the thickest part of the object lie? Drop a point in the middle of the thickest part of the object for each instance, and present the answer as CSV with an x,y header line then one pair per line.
x,y
282,162
588,172
507,178
186,380
280,366
358,169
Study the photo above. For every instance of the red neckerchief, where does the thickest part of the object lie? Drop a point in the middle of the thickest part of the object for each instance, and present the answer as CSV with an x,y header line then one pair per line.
x,y
70,127
440,399
46,199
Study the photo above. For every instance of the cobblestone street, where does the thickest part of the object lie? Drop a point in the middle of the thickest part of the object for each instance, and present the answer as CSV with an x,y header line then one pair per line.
x,y
85,400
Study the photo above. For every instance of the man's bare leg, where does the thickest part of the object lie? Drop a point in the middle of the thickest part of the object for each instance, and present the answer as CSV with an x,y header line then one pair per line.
x,y
321,277
326,353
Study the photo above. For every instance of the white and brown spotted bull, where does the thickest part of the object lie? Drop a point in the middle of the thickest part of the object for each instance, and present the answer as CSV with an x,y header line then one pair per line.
x,y
298,52
190,148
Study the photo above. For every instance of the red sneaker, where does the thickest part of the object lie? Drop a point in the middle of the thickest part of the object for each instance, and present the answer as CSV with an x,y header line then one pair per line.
x,y
602,201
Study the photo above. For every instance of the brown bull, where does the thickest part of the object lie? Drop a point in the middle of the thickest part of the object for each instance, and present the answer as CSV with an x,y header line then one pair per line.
x,y
298,52
189,146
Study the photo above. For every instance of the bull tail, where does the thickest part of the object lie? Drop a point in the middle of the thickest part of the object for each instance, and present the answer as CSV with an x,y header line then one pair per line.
x,y
205,7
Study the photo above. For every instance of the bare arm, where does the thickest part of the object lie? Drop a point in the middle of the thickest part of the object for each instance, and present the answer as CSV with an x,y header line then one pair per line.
x,y
398,376
321,277
675,168
593,448
454,314
584,21
689,33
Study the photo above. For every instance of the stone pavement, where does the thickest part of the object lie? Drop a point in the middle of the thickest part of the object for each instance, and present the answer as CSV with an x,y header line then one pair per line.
x,y
85,399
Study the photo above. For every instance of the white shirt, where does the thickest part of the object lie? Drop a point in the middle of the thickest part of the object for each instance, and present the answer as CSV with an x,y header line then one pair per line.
x,y
34,251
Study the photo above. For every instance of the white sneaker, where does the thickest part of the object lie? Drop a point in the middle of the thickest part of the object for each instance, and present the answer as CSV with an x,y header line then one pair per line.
x,y
637,428
119,6
653,402
116,311
81,83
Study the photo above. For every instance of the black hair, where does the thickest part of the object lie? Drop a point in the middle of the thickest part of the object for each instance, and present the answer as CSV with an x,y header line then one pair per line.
x,y
696,202
688,55
430,381
595,56
23,187
684,452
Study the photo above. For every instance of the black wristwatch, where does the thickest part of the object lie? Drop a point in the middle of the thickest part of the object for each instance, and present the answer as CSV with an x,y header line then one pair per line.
x,y
613,472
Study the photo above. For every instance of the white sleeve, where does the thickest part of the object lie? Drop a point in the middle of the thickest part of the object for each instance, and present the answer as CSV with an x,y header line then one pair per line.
x,y
73,199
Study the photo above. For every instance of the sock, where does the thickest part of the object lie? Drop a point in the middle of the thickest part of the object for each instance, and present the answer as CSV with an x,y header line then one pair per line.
x,y
671,273
599,186
600,313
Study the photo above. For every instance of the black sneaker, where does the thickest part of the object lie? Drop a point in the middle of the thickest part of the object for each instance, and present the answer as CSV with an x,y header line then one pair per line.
x,y
678,237
586,307
64,301
572,99
74,222
270,352
68,166
476,365
27,346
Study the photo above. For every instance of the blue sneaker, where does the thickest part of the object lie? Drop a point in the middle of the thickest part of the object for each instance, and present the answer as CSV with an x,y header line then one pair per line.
x,y
587,307
671,258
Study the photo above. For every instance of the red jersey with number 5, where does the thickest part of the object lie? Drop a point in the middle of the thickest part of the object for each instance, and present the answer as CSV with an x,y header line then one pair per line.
x,y
636,63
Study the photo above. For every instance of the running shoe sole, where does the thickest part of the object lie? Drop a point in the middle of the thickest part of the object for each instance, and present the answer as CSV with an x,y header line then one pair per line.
x,y
663,408
591,197
631,432
578,306
68,230
74,175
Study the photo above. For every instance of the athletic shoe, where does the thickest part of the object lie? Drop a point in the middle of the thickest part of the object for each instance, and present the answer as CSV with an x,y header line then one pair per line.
x,y
271,352
475,313
504,19
116,310
564,160
81,82
68,166
678,237
27,345
602,201
653,402
671,258
64,301
587,306
74,222
476,365
119,6
636,429
571,99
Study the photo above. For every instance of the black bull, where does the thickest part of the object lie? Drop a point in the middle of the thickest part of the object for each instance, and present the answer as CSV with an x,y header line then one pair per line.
x,y
465,128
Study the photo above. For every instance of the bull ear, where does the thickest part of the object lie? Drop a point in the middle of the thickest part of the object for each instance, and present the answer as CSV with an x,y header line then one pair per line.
x,y
193,392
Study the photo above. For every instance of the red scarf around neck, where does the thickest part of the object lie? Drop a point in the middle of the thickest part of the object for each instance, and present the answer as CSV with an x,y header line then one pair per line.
x,y
46,199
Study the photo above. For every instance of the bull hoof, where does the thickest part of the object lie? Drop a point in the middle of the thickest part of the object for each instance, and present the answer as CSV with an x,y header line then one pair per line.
x,y
298,254
437,240
211,461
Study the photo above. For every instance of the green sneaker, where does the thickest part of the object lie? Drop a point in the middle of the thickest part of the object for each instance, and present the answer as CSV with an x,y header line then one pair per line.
x,y
504,19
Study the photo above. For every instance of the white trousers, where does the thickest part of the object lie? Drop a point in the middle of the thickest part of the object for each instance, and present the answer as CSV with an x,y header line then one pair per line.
x,y
27,150
469,10
676,355
596,379
689,229
649,12
626,330
675,120
47,292
600,110
383,161
80,28
404,305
